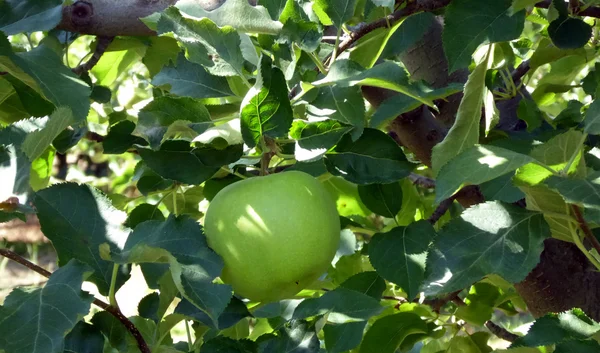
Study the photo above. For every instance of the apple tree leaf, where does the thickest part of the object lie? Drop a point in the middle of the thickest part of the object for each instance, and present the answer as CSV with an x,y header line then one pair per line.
x,y
476,165
578,346
78,219
84,338
36,142
337,11
177,160
266,109
343,337
322,134
399,255
389,332
36,320
297,336
235,311
489,238
470,23
188,79
382,199
344,104
580,191
373,158
342,305
222,344
592,118
29,16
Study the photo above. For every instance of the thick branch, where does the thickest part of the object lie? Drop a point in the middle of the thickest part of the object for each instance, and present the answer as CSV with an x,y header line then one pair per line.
x,y
114,311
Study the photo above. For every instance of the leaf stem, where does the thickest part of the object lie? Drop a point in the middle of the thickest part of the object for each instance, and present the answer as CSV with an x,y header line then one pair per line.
x,y
577,241
112,299
317,62
237,174
337,44
189,336
175,210
580,145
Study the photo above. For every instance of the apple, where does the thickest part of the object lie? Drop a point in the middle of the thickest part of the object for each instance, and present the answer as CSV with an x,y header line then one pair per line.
x,y
276,234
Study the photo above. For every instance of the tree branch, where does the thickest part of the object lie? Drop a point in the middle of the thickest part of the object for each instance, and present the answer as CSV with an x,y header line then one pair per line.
x,y
101,46
593,11
589,235
520,71
142,345
501,332
422,181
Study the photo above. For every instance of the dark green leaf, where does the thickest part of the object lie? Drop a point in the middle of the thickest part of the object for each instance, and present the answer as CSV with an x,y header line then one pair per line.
x,y
501,189
275,7
69,138
341,304
177,160
490,238
297,27
382,199
191,80
223,344
322,134
410,32
338,11
399,255
112,328
149,181
119,138
37,320
17,16
368,283
569,33
100,94
389,332
143,212
529,112
592,118
84,338
480,304
373,158
266,110
343,337
579,191
35,104
469,23
588,346
344,104
557,328
235,311
78,219
297,337
148,306
38,141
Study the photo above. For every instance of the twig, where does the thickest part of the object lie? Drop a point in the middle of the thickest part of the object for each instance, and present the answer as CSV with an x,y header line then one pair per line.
x,y
101,46
520,71
422,181
99,303
590,11
501,332
410,8
441,209
585,228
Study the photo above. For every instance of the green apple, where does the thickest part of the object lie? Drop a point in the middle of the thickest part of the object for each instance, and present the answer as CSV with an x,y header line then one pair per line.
x,y
276,234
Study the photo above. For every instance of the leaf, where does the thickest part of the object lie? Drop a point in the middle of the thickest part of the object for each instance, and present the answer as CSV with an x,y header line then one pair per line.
x,y
120,139
221,44
388,333
36,320
18,16
368,283
501,189
84,338
399,255
266,109
569,33
338,11
235,311
298,28
588,346
38,141
148,306
591,120
235,13
43,71
156,117
323,134
161,51
344,104
412,29
556,328
562,73
578,191
341,304
41,170
490,238
295,337
373,158
368,49
382,199
465,132
476,165
343,337
462,344
221,344
480,304
529,112
78,219
470,23
191,80
180,239
177,160
275,7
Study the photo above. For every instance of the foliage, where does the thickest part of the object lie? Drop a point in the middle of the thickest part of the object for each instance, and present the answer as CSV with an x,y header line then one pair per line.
x,y
166,121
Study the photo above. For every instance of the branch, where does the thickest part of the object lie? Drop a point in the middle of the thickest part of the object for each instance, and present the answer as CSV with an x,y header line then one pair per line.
x,y
520,71
101,46
586,228
421,180
114,311
411,7
593,11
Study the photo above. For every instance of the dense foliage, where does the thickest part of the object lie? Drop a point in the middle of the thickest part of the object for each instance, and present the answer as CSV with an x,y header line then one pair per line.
x,y
457,138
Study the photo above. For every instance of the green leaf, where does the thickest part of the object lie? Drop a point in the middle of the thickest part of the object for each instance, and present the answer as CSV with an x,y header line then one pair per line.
x,y
295,337
38,141
221,44
367,50
389,332
480,304
343,337
490,238
32,101
529,112
323,134
470,23
84,338
465,132
235,13
382,199
588,346
41,170
591,120
569,33
120,139
177,160
578,191
373,158
18,16
156,117
297,27
275,7
148,306
338,11
221,344
562,73
43,71
341,304
266,110
69,137
78,219
180,239
191,80
161,51
399,255
556,328
501,189
462,344
344,104
475,166
149,181
143,212
36,320
235,311
410,32
367,282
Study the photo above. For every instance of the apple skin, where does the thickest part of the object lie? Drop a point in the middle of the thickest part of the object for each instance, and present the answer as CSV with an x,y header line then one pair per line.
x,y
276,234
